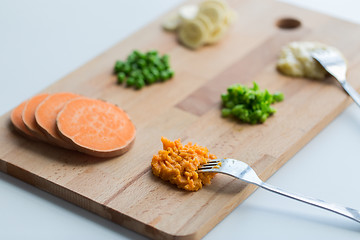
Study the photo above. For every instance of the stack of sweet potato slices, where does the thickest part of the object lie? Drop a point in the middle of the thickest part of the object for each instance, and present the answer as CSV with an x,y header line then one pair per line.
x,y
71,121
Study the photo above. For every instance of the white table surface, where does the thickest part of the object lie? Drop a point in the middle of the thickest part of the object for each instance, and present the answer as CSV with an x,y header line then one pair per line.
x,y
42,41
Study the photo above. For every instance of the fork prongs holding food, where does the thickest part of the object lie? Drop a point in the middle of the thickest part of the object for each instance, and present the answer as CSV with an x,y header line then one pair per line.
x,y
210,166
335,64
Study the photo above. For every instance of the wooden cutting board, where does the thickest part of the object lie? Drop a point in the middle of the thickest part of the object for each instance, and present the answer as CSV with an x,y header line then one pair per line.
x,y
123,189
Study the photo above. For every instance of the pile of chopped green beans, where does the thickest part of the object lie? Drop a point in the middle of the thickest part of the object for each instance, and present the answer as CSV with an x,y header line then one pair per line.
x,y
142,69
249,105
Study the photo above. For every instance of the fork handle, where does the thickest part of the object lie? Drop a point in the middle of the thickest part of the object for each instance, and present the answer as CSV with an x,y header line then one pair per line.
x,y
344,211
351,91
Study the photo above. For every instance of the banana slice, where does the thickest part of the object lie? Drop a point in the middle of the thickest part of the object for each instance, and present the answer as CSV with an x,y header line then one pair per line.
x,y
206,21
193,33
214,11
220,3
188,12
217,34
172,22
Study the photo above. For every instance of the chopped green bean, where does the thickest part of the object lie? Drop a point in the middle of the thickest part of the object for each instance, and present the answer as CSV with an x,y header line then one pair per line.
x,y
278,96
225,112
249,105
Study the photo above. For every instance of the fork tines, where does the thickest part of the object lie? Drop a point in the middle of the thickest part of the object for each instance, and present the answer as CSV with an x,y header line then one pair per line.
x,y
326,56
209,165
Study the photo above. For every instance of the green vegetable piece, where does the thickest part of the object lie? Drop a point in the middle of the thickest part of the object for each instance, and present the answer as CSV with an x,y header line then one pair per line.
x,y
149,78
142,56
263,117
278,96
127,68
225,112
142,63
135,73
249,104
237,110
155,72
152,53
145,71
131,58
152,59
118,66
139,83
164,75
252,121
136,53
135,66
141,68
224,98
165,58
160,66
121,77
171,73
272,110
230,104
130,81
256,86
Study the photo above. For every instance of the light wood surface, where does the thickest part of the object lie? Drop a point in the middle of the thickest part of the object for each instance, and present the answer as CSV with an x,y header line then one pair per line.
x,y
123,189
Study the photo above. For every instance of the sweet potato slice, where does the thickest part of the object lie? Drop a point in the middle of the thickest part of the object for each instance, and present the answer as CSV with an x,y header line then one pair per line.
x,y
28,115
96,127
46,113
17,121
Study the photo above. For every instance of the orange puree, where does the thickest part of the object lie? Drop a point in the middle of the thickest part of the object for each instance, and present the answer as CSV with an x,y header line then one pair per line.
x,y
179,164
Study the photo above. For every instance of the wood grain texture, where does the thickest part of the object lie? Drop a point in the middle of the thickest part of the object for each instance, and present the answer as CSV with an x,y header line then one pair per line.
x,y
123,189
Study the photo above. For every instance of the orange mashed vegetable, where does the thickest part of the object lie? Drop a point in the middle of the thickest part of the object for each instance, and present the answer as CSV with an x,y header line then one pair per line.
x,y
178,164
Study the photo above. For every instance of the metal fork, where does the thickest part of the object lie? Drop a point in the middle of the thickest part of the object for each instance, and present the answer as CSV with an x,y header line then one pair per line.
x,y
243,171
335,64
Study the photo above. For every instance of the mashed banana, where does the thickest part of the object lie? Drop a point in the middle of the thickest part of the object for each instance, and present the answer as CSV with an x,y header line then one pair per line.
x,y
179,164
295,60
